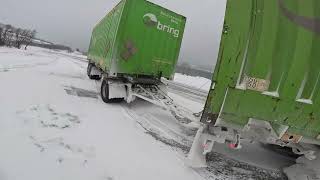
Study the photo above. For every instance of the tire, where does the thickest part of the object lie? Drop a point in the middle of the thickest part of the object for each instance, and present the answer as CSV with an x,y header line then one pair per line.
x,y
93,77
89,69
105,93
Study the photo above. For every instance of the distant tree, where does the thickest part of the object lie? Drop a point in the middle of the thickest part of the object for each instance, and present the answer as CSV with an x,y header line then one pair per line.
x,y
30,35
24,36
8,35
8,26
1,37
5,32
9,38
78,49
12,36
69,50
19,37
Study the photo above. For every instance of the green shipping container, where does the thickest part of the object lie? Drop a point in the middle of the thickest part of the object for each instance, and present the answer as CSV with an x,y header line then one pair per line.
x,y
137,39
268,68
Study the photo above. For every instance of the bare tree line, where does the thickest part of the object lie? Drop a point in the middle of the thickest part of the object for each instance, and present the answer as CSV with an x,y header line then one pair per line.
x,y
16,37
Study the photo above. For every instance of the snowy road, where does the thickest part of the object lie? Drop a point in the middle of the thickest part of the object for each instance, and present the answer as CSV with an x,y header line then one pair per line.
x,y
53,125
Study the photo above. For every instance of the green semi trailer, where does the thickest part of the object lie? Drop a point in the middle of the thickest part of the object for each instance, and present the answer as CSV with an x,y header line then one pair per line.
x,y
137,43
265,85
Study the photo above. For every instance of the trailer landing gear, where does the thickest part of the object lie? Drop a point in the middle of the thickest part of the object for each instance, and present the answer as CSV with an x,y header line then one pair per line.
x,y
196,158
204,142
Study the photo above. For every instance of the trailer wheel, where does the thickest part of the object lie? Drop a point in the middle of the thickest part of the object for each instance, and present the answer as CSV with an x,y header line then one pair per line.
x,y
105,93
89,69
95,77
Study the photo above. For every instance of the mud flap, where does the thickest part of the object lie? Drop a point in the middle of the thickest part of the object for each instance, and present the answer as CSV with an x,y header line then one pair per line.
x,y
196,157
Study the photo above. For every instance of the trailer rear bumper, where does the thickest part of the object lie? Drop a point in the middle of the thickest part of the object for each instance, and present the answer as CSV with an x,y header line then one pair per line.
x,y
254,131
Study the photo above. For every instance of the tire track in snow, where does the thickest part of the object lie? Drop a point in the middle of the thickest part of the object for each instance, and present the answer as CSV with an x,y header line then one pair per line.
x,y
220,167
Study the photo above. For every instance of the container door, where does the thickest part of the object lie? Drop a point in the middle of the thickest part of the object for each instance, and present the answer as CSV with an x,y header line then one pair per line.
x,y
149,40
268,66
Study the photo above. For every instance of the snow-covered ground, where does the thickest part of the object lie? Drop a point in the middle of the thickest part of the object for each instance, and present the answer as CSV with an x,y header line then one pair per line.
x,y
48,130
197,82
53,125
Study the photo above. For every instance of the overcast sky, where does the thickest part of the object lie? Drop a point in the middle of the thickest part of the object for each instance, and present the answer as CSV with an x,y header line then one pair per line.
x,y
70,22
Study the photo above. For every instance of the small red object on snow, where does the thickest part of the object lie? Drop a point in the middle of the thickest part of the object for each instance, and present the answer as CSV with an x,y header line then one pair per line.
x,y
205,146
232,146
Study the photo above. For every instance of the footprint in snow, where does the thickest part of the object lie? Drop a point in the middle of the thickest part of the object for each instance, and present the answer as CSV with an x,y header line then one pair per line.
x,y
48,117
63,149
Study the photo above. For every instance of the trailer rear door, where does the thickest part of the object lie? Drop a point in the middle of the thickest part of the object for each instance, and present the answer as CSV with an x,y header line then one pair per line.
x,y
269,66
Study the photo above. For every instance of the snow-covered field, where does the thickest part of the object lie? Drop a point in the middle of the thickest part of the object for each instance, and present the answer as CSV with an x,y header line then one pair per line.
x,y
53,125
197,82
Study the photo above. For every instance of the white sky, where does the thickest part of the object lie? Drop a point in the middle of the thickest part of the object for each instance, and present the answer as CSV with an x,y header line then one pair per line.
x,y
70,22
